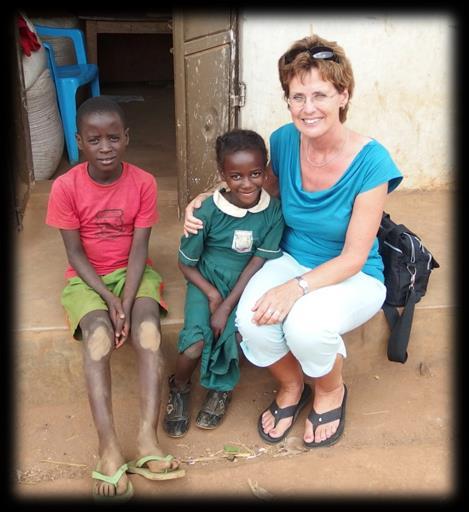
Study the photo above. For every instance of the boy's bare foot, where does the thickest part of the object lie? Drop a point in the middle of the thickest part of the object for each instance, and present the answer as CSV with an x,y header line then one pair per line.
x,y
109,463
148,446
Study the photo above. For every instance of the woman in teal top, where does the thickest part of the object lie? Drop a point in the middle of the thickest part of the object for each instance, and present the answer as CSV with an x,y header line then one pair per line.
x,y
315,239
243,227
332,183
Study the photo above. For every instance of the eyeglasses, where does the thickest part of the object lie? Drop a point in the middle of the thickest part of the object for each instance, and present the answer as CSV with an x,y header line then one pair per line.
x,y
298,101
315,52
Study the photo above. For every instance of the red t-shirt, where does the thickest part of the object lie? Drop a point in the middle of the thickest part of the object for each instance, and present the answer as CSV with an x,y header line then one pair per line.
x,y
105,215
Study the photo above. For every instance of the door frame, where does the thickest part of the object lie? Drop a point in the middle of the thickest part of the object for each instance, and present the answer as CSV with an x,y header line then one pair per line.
x,y
20,158
180,92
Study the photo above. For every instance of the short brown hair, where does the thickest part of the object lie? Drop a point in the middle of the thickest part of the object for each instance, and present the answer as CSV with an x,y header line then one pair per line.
x,y
339,73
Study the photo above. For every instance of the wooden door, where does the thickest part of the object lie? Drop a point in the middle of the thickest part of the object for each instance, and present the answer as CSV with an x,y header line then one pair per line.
x,y
206,93
19,159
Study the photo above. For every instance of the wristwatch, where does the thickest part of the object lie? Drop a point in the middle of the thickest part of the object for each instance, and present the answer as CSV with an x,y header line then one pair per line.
x,y
303,284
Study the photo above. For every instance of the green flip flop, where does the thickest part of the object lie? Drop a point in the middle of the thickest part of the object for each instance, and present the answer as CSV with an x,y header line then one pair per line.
x,y
113,479
136,466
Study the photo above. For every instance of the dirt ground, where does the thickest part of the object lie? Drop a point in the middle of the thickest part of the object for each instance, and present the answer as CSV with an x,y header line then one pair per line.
x,y
384,452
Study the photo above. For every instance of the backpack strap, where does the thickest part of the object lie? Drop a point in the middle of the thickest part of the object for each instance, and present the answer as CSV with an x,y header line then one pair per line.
x,y
400,326
390,230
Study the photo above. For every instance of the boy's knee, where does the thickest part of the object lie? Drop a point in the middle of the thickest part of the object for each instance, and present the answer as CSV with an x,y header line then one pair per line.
x,y
98,341
195,350
149,335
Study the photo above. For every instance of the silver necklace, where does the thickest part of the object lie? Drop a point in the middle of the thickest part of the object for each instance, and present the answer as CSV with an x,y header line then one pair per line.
x,y
330,159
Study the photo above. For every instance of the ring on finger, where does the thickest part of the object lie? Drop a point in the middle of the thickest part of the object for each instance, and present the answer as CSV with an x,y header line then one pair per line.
x,y
270,311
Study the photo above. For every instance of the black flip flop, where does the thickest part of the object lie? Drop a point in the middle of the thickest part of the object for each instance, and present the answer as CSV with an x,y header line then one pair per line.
x,y
287,412
326,417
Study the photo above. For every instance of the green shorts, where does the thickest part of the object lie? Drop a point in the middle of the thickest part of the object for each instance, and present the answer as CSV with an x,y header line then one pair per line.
x,y
79,299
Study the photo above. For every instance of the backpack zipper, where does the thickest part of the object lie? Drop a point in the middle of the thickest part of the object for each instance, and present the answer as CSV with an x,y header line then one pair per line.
x,y
392,246
412,248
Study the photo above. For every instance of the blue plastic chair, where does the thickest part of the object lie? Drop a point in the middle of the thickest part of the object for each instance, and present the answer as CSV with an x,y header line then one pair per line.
x,y
68,79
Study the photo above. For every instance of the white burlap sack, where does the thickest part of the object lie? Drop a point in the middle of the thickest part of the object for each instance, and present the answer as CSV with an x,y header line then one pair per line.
x,y
63,47
45,126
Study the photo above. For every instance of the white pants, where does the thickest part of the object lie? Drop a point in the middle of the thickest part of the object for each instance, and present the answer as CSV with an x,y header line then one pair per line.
x,y
312,330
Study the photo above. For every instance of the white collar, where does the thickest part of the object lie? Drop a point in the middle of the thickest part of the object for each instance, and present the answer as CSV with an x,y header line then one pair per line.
x,y
235,211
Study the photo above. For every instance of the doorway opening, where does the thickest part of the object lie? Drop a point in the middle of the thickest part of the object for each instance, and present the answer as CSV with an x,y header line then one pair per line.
x,y
136,70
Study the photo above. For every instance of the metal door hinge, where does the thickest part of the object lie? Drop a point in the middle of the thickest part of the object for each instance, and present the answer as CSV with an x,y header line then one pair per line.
x,y
239,100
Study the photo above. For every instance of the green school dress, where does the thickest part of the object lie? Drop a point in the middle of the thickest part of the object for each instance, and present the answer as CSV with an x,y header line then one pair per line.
x,y
231,236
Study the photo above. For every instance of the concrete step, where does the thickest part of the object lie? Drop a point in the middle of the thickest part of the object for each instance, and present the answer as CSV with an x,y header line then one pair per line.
x,y
398,438
41,257
49,367
47,354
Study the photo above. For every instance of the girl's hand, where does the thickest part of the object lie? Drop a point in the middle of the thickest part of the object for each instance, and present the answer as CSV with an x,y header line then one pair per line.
x,y
193,224
218,321
214,300
276,303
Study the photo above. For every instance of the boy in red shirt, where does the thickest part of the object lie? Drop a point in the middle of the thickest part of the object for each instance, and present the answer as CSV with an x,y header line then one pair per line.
x,y
105,209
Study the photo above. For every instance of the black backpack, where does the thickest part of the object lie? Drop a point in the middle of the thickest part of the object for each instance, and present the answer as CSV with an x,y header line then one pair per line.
x,y
407,268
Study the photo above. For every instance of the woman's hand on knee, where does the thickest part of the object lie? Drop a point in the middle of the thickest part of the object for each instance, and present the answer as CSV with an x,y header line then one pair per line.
x,y
275,304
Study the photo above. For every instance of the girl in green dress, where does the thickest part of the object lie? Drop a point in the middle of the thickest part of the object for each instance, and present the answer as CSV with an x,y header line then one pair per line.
x,y
243,226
